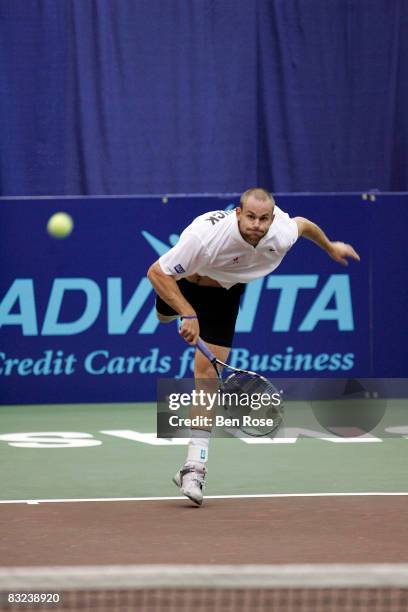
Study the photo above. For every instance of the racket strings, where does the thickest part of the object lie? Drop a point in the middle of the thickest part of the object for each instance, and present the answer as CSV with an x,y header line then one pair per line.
x,y
242,382
246,389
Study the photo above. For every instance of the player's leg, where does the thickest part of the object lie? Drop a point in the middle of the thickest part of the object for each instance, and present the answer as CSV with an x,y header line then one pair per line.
x,y
203,369
191,477
217,311
206,379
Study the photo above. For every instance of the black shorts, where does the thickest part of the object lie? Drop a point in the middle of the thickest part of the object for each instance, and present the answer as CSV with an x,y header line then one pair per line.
x,y
216,308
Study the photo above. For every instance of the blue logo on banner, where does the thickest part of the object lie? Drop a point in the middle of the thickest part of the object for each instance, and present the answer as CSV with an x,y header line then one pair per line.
x,y
332,303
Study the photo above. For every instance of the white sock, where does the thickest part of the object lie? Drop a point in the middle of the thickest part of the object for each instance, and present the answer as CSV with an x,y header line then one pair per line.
x,y
198,446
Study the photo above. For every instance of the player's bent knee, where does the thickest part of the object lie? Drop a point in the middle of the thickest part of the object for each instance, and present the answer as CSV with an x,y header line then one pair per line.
x,y
205,371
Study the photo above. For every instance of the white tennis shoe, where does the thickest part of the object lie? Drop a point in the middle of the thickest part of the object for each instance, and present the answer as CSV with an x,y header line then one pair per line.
x,y
191,481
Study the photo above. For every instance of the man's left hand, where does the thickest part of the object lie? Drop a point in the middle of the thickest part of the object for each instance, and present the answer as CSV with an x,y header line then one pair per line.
x,y
340,251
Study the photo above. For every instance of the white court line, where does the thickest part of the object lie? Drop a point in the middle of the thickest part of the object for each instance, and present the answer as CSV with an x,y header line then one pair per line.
x,y
178,497
134,577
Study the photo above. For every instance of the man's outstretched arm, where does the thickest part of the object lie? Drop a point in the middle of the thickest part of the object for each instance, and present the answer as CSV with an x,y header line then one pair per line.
x,y
339,251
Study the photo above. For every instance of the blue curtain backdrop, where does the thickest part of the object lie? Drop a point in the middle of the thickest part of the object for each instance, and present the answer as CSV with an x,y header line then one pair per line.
x,y
184,96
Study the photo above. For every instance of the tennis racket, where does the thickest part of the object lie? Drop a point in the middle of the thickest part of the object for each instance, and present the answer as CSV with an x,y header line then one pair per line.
x,y
245,388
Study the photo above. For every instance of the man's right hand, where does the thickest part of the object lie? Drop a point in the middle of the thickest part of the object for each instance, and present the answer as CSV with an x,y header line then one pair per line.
x,y
190,330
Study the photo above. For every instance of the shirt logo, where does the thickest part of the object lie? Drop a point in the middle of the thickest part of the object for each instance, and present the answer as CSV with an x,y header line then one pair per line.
x,y
179,269
235,260
217,216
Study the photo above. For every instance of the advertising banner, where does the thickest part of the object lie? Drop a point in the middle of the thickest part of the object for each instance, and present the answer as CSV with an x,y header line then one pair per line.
x,y
77,315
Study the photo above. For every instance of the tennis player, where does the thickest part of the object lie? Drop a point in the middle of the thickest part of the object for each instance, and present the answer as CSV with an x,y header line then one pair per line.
x,y
203,277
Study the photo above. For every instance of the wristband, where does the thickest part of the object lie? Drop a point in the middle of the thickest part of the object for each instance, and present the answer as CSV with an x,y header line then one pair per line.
x,y
188,317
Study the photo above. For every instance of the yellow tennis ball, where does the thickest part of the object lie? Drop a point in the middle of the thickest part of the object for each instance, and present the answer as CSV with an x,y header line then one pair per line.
x,y
60,225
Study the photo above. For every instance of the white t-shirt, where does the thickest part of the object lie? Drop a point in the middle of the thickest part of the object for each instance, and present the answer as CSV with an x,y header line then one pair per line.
x,y
213,246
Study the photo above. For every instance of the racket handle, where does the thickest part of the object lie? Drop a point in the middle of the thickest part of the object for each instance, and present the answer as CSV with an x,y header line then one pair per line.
x,y
205,350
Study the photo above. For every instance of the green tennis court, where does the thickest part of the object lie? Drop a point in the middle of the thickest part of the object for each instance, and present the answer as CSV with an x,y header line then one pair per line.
x,y
111,451
87,498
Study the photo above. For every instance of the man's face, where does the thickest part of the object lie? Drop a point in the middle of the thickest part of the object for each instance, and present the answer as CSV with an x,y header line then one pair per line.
x,y
254,219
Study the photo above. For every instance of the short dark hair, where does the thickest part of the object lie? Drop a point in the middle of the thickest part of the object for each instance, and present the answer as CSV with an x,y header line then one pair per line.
x,y
258,193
